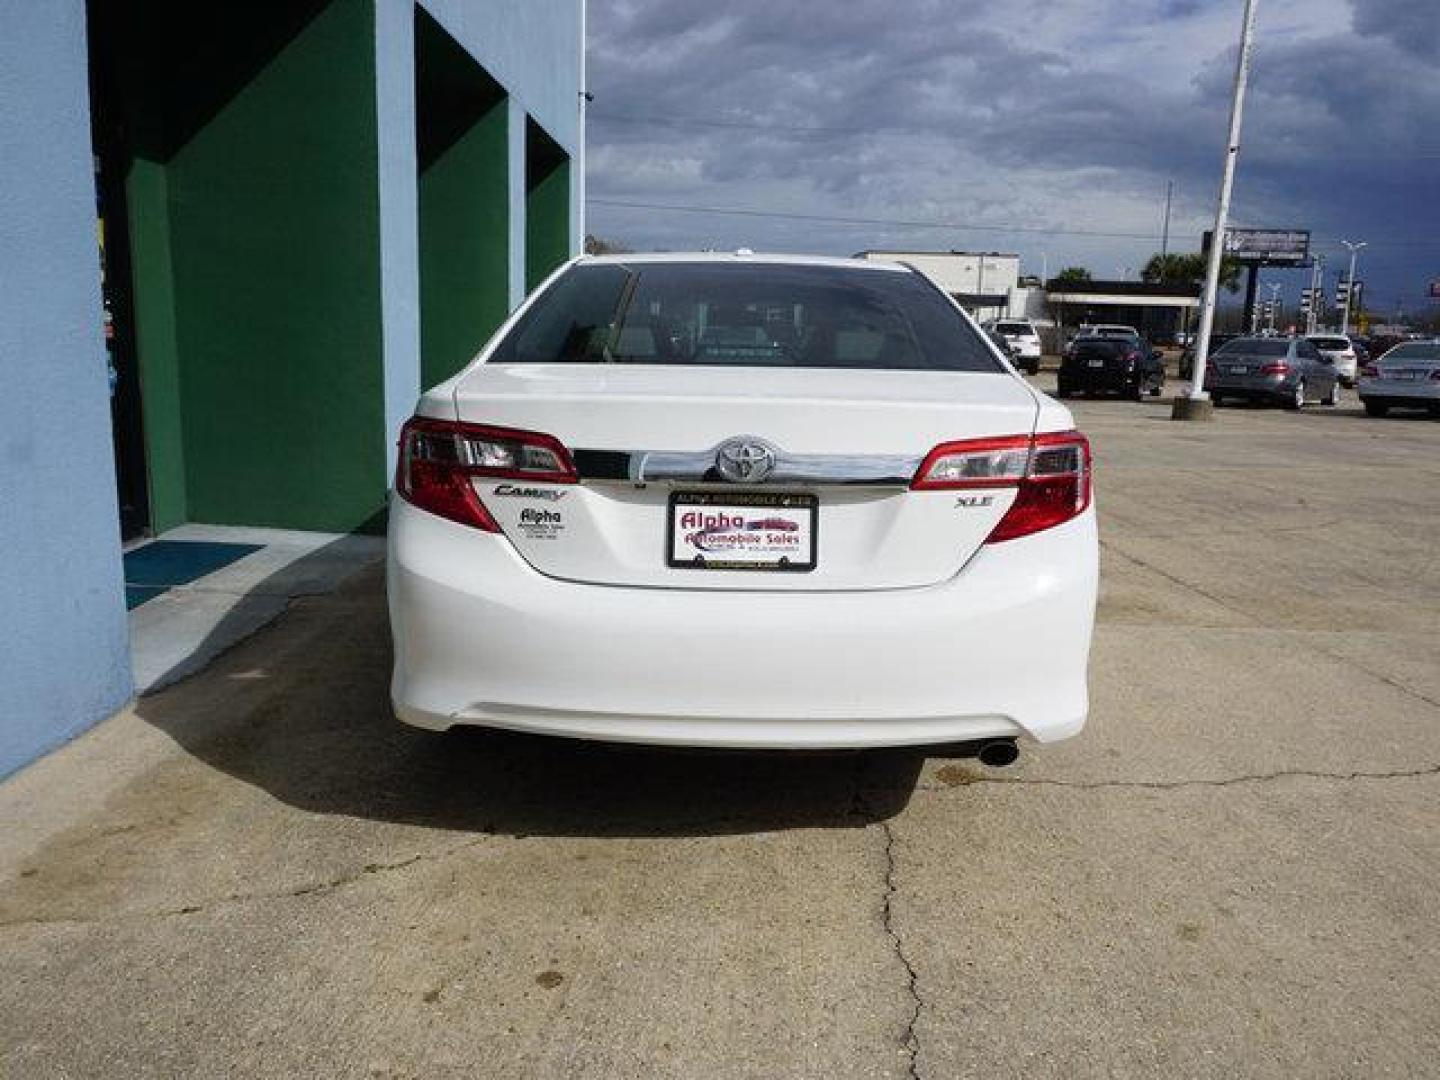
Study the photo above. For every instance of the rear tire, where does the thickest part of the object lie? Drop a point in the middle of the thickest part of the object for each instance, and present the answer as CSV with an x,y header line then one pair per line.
x,y
1216,400
1374,408
1333,398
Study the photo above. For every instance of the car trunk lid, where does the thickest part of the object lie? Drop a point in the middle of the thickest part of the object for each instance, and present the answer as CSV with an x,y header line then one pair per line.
x,y
645,440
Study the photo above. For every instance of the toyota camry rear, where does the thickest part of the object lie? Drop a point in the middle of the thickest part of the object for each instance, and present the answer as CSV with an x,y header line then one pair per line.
x,y
743,501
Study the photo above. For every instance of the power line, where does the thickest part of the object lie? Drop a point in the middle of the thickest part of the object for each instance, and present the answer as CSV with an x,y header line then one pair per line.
x,y
736,211
902,223
661,120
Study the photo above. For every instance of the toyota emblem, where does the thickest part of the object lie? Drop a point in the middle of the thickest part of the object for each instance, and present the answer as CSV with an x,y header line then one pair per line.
x,y
744,461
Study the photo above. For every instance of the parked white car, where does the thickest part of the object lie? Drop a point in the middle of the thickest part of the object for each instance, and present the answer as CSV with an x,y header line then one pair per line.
x,y
743,501
1023,339
1340,351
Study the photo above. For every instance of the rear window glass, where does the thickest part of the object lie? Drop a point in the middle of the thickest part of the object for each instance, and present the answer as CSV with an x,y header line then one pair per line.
x,y
1256,347
1014,328
1417,351
1100,347
1330,343
745,315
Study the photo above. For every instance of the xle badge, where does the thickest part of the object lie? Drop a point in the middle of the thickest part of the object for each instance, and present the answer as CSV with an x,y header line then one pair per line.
x,y
973,500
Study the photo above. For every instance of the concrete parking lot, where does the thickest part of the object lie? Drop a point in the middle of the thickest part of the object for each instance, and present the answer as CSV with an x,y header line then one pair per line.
x,y
1234,871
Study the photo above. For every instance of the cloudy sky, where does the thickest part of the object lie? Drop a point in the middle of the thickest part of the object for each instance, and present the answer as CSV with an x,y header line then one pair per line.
x,y
1047,127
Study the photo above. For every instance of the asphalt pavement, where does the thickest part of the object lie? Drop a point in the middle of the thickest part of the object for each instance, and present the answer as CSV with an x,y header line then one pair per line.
x,y
1234,871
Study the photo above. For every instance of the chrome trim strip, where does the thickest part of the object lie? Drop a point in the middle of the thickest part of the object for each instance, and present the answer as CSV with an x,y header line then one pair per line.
x,y
655,466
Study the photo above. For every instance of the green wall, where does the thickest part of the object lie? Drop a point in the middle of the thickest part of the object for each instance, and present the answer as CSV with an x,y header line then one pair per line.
x,y
464,247
148,206
547,223
274,223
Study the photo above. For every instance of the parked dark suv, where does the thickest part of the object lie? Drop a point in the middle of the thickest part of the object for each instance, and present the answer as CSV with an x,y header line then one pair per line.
x,y
1111,365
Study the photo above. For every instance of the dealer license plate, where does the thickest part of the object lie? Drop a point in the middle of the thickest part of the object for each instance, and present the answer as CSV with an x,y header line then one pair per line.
x,y
1238,370
1097,363
723,531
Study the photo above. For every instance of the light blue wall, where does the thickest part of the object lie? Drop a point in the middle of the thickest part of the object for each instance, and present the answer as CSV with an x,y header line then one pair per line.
x,y
64,656
533,48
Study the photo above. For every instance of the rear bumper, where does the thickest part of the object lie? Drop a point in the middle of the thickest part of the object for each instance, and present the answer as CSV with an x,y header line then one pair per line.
x,y
1278,388
1114,382
1400,393
482,638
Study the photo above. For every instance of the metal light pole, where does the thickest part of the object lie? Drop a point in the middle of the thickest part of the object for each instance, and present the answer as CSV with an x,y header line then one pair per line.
x,y
1350,284
1184,410
1165,228
1274,288
1317,292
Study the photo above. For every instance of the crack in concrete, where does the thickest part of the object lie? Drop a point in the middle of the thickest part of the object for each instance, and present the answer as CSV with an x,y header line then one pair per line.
x,y
1173,785
897,945
315,888
861,807
1234,609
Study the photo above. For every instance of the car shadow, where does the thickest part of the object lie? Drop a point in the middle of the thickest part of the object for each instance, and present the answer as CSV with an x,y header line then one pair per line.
x,y
301,710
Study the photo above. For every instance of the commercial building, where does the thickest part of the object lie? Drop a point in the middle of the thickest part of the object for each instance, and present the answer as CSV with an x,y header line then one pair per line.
x,y
1159,312
985,283
308,210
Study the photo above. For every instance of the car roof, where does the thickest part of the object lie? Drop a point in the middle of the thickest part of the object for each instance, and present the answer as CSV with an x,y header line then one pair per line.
x,y
742,258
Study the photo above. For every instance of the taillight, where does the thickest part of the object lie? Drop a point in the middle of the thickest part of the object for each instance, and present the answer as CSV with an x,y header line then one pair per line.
x,y
1051,475
1274,369
439,460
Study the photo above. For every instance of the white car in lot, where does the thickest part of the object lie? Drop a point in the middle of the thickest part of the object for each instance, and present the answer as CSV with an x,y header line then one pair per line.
x,y
743,501
1023,340
1339,351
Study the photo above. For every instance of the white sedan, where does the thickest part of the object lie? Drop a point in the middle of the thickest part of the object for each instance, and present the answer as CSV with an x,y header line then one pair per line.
x,y
743,501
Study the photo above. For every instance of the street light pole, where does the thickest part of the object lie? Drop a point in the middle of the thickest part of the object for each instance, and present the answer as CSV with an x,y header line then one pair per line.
x,y
1349,284
1317,292
1274,288
1222,213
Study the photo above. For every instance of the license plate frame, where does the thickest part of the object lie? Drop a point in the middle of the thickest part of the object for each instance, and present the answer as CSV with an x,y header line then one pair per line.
x,y
799,508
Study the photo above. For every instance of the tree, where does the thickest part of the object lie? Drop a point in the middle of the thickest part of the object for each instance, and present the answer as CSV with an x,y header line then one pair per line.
x,y
1188,269
1073,275
595,245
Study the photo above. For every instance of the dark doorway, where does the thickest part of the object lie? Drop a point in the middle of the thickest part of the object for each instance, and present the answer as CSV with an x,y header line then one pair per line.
x,y
111,158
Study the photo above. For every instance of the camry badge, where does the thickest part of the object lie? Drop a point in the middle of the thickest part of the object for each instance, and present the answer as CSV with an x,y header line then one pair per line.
x,y
744,461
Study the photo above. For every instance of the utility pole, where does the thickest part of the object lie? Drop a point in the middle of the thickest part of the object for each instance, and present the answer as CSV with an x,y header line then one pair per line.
x,y
1191,407
1317,292
1350,284
1165,228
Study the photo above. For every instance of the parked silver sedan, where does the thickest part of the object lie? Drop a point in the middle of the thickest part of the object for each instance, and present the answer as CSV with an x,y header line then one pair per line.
x,y
1406,377
1282,371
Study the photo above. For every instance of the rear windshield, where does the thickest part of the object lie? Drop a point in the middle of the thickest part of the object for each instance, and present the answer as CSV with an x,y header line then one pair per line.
x,y
1256,347
745,315
1330,342
1115,331
1416,351
1014,328
1100,346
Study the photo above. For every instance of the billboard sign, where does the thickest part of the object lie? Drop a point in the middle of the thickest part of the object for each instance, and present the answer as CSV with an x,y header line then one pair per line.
x,y
1266,247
